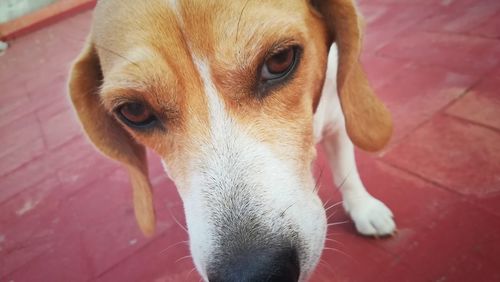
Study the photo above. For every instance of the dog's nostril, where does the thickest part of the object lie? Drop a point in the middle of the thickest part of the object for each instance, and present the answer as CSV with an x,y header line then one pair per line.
x,y
262,265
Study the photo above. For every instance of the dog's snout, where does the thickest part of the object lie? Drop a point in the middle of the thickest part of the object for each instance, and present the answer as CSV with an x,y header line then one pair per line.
x,y
262,265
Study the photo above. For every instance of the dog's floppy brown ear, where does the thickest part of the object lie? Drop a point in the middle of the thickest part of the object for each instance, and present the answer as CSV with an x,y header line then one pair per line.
x,y
108,135
368,121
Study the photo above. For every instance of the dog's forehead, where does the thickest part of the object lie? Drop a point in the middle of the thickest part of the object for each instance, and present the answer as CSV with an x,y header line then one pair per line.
x,y
215,25
207,28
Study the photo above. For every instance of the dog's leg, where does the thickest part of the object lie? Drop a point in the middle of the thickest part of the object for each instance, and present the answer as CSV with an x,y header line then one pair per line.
x,y
371,216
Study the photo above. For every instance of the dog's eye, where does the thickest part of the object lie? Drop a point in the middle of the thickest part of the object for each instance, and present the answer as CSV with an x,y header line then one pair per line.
x,y
136,115
279,65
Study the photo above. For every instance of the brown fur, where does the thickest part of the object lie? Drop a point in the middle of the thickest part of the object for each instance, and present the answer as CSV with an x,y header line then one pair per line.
x,y
140,50
368,121
108,136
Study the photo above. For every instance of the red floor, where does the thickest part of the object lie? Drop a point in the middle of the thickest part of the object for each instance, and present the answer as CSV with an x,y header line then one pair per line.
x,y
66,214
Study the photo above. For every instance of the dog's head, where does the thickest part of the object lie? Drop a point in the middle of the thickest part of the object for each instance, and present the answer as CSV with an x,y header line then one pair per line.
x,y
225,93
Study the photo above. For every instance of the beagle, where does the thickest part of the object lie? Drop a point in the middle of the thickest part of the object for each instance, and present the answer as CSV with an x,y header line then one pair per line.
x,y
234,96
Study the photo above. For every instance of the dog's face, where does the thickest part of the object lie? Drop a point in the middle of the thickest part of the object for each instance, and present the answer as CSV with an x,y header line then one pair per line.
x,y
224,92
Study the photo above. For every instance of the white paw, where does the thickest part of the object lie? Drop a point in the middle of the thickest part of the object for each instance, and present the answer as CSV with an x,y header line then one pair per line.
x,y
371,216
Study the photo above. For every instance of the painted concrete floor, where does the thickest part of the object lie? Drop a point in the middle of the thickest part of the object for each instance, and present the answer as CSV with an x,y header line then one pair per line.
x,y
66,213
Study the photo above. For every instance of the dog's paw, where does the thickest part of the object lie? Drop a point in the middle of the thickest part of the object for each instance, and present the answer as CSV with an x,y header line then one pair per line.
x,y
371,216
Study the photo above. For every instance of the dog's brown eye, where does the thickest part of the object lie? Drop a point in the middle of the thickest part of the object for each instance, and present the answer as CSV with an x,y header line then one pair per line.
x,y
279,65
136,115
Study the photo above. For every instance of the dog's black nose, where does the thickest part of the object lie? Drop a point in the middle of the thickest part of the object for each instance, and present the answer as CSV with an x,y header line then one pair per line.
x,y
258,266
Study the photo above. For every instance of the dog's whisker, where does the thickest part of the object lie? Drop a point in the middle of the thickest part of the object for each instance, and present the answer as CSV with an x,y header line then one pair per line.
x,y
184,257
338,251
338,223
326,203
316,188
334,241
330,216
345,178
191,272
317,185
333,234
176,221
115,53
173,245
333,205
328,267
239,19
284,211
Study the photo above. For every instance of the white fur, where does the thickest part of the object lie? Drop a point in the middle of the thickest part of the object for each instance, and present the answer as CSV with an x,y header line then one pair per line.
x,y
371,216
175,6
232,155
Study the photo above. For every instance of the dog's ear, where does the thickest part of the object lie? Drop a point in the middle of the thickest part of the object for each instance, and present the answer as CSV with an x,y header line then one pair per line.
x,y
108,135
368,122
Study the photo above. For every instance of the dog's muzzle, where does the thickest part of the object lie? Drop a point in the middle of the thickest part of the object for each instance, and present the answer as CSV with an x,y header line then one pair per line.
x,y
273,265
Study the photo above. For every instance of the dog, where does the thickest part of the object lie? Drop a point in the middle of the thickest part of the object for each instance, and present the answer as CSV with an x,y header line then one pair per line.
x,y
234,96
